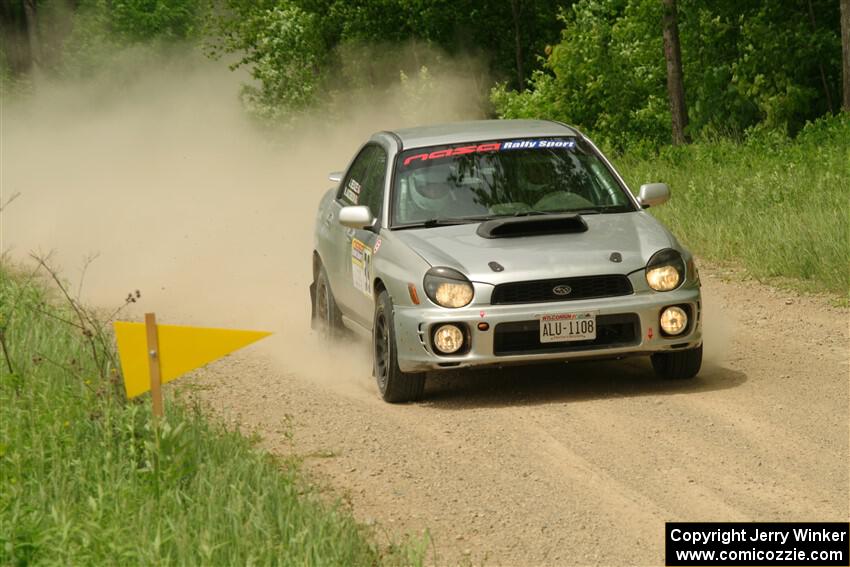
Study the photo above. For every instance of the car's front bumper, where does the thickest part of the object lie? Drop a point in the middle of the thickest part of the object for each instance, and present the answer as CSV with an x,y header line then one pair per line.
x,y
626,326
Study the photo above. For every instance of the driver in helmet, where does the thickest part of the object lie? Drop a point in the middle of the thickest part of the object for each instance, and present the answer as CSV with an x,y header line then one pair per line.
x,y
535,174
431,192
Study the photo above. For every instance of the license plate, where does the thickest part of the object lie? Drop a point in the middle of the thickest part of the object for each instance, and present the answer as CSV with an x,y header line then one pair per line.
x,y
561,327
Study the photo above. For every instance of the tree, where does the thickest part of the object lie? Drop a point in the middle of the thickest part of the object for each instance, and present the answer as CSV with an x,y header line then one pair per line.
x,y
281,45
520,74
675,81
823,79
845,50
18,39
509,35
605,76
32,28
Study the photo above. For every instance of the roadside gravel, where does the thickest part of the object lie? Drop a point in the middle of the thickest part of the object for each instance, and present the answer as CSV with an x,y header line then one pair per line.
x,y
577,464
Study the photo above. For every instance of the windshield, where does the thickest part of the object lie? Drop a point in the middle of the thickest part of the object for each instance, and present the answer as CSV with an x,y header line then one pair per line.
x,y
502,178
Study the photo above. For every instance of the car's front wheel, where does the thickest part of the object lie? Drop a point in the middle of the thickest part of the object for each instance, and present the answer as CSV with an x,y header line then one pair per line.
x,y
395,386
677,365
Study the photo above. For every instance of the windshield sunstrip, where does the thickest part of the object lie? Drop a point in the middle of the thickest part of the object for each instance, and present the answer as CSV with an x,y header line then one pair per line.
x,y
490,147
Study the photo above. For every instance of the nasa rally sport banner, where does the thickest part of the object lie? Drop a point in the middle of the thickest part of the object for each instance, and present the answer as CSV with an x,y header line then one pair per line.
x,y
757,543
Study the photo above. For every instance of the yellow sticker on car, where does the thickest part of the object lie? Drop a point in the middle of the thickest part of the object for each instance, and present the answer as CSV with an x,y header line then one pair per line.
x,y
361,266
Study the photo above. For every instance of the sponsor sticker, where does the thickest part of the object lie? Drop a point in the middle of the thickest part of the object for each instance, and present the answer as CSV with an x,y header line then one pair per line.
x,y
537,144
377,246
361,266
532,144
449,152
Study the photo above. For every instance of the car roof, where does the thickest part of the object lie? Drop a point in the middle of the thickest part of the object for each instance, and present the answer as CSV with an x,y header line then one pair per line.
x,y
479,130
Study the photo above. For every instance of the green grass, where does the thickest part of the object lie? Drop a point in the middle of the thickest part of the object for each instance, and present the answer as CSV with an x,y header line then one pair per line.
x,y
86,478
778,207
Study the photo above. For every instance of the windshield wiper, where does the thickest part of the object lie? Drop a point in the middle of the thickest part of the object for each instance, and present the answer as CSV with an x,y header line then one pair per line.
x,y
528,213
594,211
441,222
597,210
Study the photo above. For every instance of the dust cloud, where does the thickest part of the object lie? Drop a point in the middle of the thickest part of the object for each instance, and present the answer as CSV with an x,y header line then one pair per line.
x,y
718,329
179,194
182,196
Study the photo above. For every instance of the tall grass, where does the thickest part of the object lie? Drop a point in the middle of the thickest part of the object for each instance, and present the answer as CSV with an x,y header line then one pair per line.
x,y
86,478
779,207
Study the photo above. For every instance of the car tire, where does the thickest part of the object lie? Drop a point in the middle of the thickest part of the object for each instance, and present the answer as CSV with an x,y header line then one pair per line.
x,y
678,365
394,385
327,319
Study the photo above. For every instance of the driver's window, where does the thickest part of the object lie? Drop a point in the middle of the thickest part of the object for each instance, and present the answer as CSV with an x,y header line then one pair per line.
x,y
372,194
364,184
352,185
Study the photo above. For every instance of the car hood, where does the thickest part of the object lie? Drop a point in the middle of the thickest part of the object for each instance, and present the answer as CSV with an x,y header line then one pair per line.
x,y
636,236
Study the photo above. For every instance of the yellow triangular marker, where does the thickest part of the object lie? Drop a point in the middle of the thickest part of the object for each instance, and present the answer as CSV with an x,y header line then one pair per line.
x,y
181,349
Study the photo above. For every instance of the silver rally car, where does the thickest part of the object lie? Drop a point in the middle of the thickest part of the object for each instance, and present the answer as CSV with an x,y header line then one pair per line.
x,y
499,242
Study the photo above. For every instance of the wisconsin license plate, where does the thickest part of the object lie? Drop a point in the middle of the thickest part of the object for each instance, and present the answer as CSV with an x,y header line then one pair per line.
x,y
561,327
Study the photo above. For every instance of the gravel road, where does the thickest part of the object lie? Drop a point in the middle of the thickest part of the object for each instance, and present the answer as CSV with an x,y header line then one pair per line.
x,y
577,464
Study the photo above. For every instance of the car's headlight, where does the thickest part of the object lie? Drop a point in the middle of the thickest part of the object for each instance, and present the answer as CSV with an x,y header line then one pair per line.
x,y
665,271
448,287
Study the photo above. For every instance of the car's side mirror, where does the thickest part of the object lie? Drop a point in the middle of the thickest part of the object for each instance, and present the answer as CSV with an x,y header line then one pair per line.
x,y
653,194
356,217
335,176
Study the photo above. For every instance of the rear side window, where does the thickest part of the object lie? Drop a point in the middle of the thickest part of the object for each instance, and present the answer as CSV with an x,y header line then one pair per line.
x,y
364,183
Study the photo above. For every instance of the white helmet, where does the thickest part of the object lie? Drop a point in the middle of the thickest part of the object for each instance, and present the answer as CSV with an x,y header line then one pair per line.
x,y
430,188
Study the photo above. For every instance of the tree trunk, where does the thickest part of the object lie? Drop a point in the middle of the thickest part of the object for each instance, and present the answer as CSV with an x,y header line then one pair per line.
x,y
32,29
520,74
675,80
13,37
845,51
820,64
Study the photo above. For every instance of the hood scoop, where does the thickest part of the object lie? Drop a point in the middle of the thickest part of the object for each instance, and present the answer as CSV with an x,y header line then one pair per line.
x,y
531,226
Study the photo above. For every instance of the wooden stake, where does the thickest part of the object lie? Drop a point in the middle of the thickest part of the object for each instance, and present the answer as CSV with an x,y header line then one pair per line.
x,y
153,358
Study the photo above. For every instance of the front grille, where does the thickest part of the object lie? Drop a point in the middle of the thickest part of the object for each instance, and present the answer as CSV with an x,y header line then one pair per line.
x,y
523,337
584,287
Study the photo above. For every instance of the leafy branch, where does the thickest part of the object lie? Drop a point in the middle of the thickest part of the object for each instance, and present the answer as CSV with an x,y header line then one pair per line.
x,y
92,328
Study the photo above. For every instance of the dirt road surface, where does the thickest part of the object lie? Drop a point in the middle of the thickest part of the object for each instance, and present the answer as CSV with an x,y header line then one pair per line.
x,y
578,464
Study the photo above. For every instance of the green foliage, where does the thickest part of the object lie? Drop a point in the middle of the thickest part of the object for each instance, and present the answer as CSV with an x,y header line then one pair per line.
x,y
479,27
90,480
131,21
96,35
777,206
142,20
605,75
8,83
759,63
283,48
750,65
300,51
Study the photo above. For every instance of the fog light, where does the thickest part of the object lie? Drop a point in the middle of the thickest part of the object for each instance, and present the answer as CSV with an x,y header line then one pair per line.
x,y
448,339
674,320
